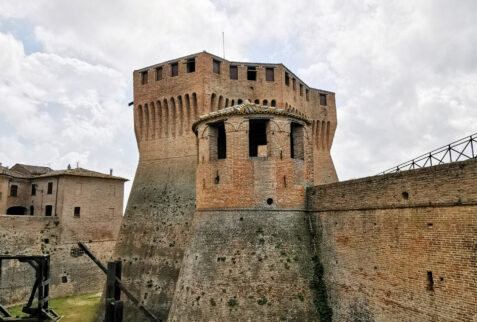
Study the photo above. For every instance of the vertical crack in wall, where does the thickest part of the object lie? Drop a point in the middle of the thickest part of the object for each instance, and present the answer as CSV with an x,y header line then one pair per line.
x,y
317,284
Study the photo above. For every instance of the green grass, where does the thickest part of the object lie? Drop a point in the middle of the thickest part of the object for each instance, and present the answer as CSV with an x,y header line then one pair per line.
x,y
80,308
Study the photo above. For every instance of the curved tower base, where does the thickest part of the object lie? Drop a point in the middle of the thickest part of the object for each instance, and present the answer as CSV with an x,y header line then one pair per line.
x,y
246,265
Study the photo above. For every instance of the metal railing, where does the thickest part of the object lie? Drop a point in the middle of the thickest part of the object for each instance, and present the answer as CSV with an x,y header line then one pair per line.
x,y
460,150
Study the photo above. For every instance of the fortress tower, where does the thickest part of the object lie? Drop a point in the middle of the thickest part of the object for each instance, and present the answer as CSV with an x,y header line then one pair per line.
x,y
252,162
249,251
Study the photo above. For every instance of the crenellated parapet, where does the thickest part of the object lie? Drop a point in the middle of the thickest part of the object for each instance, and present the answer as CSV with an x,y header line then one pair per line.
x,y
170,96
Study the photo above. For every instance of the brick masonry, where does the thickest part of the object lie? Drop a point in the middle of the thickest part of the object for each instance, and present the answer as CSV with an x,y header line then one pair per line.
x,y
380,239
101,203
200,242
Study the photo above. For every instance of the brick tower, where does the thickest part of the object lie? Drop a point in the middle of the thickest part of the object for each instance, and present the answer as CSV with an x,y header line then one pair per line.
x,y
274,158
248,254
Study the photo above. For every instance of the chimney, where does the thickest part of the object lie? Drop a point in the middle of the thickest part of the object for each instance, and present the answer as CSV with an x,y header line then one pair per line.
x,y
111,172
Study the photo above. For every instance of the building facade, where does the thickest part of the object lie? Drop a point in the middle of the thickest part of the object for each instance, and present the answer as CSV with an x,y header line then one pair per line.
x,y
48,211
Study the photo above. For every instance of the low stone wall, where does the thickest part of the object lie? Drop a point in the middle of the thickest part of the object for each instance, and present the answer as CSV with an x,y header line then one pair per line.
x,y
71,271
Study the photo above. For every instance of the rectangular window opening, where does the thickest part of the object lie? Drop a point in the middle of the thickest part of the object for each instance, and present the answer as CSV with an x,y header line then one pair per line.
x,y
33,189
218,142
252,73
287,79
269,75
296,141
323,99
174,69
13,190
233,72
216,66
307,93
301,89
294,83
50,188
77,211
159,73
257,137
144,77
191,65
48,210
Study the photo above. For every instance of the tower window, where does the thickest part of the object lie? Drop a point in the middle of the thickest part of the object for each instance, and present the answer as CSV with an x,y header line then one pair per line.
x,y
32,210
174,69
144,77
296,141
257,136
269,75
218,142
50,188
233,72
216,66
287,79
307,93
77,211
251,73
322,99
294,83
33,190
48,210
13,190
301,89
191,65
159,73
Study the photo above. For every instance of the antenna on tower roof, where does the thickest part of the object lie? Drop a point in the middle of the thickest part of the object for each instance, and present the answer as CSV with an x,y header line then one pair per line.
x,y
223,42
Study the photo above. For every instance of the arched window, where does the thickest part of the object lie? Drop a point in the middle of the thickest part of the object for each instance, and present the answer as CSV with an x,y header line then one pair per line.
x,y
180,122
146,125
140,120
194,106
233,103
221,101
257,101
153,120
16,211
212,102
159,118
239,101
187,112
273,103
265,102
165,115
173,116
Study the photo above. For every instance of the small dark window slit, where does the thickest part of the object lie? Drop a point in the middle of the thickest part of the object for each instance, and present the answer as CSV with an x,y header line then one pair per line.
x,y
430,280
217,178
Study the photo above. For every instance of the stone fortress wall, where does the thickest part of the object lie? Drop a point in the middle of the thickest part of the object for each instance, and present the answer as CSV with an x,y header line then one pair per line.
x,y
400,247
196,243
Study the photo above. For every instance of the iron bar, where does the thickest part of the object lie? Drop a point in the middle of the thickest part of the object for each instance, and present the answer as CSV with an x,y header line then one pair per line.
x,y
441,155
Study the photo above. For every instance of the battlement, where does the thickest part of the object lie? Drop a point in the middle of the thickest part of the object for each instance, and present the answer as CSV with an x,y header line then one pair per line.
x,y
169,97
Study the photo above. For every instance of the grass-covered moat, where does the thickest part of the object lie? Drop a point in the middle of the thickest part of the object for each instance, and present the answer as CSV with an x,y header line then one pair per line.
x,y
80,308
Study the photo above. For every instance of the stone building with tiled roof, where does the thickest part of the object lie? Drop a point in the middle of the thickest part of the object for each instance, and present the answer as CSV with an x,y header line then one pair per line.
x,y
49,211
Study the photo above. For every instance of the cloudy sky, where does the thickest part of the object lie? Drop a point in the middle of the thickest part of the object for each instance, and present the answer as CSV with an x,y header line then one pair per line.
x,y
404,72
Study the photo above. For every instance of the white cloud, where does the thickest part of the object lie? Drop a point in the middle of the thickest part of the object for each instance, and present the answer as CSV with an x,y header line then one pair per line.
x,y
404,73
